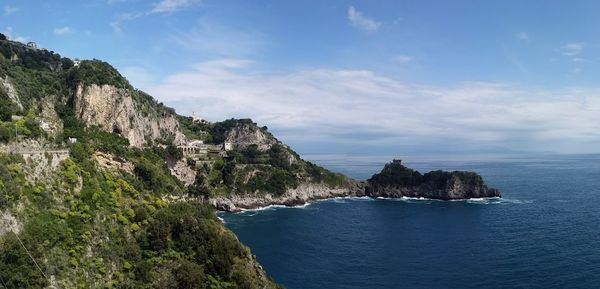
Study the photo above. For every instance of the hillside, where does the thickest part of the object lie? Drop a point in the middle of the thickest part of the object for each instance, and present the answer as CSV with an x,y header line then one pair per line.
x,y
87,198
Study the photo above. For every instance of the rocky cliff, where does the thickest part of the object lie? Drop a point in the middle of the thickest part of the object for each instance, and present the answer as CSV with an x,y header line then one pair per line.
x,y
114,110
243,135
396,181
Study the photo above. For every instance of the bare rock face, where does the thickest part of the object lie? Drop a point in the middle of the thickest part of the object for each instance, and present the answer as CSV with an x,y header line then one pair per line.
x,y
112,162
113,109
11,91
8,223
244,135
183,172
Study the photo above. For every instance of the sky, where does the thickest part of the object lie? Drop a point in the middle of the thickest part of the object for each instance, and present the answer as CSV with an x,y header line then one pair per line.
x,y
356,77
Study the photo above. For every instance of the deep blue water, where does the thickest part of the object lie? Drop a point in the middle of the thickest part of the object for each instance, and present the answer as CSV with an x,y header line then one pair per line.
x,y
544,233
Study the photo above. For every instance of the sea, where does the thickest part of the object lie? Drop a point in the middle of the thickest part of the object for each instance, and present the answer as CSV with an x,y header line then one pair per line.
x,y
543,233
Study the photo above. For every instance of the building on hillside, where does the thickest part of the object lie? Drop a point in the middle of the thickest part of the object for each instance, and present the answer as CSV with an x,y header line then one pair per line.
x,y
227,146
197,119
76,62
32,45
196,143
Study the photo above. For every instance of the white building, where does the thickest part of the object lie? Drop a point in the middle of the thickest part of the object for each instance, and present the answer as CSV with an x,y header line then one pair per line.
x,y
196,143
227,146
197,119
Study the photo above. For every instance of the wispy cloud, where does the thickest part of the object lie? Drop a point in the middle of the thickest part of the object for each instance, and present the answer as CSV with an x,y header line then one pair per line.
x,y
60,31
210,37
522,36
8,31
166,6
124,17
139,76
401,59
8,10
347,105
573,49
163,6
359,20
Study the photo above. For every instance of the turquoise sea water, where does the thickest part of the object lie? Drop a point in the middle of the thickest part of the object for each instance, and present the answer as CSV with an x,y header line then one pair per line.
x,y
543,233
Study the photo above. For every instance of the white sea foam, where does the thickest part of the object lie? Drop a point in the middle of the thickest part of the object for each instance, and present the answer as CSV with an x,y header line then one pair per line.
x,y
415,200
269,207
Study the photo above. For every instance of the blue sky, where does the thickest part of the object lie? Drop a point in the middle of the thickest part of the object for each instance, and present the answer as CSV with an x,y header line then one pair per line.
x,y
394,77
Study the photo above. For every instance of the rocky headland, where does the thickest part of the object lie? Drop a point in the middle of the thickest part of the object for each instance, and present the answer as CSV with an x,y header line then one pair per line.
x,y
394,181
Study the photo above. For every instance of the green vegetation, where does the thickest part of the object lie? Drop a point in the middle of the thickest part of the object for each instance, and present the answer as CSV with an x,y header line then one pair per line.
x,y
98,229
37,59
216,133
26,127
96,72
251,171
12,181
91,227
397,175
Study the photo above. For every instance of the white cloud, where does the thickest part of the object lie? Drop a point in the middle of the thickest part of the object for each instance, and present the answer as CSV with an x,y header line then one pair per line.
x,y
60,31
8,10
166,6
124,17
365,108
400,59
522,36
572,49
8,31
357,19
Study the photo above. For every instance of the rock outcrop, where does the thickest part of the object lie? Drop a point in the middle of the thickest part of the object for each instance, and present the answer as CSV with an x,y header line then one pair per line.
x,y
243,135
9,223
302,194
183,172
396,181
113,163
11,91
113,109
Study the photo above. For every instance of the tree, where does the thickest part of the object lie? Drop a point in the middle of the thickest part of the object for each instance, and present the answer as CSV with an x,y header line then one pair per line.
x,y
7,107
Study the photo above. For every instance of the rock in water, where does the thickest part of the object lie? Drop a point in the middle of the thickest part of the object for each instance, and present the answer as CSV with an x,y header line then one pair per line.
x,y
396,181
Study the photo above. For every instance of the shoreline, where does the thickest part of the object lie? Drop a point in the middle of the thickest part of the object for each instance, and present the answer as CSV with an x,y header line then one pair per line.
x,y
370,198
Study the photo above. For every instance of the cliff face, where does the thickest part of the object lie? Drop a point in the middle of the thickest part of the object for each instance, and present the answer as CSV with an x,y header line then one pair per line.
x,y
243,135
114,110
